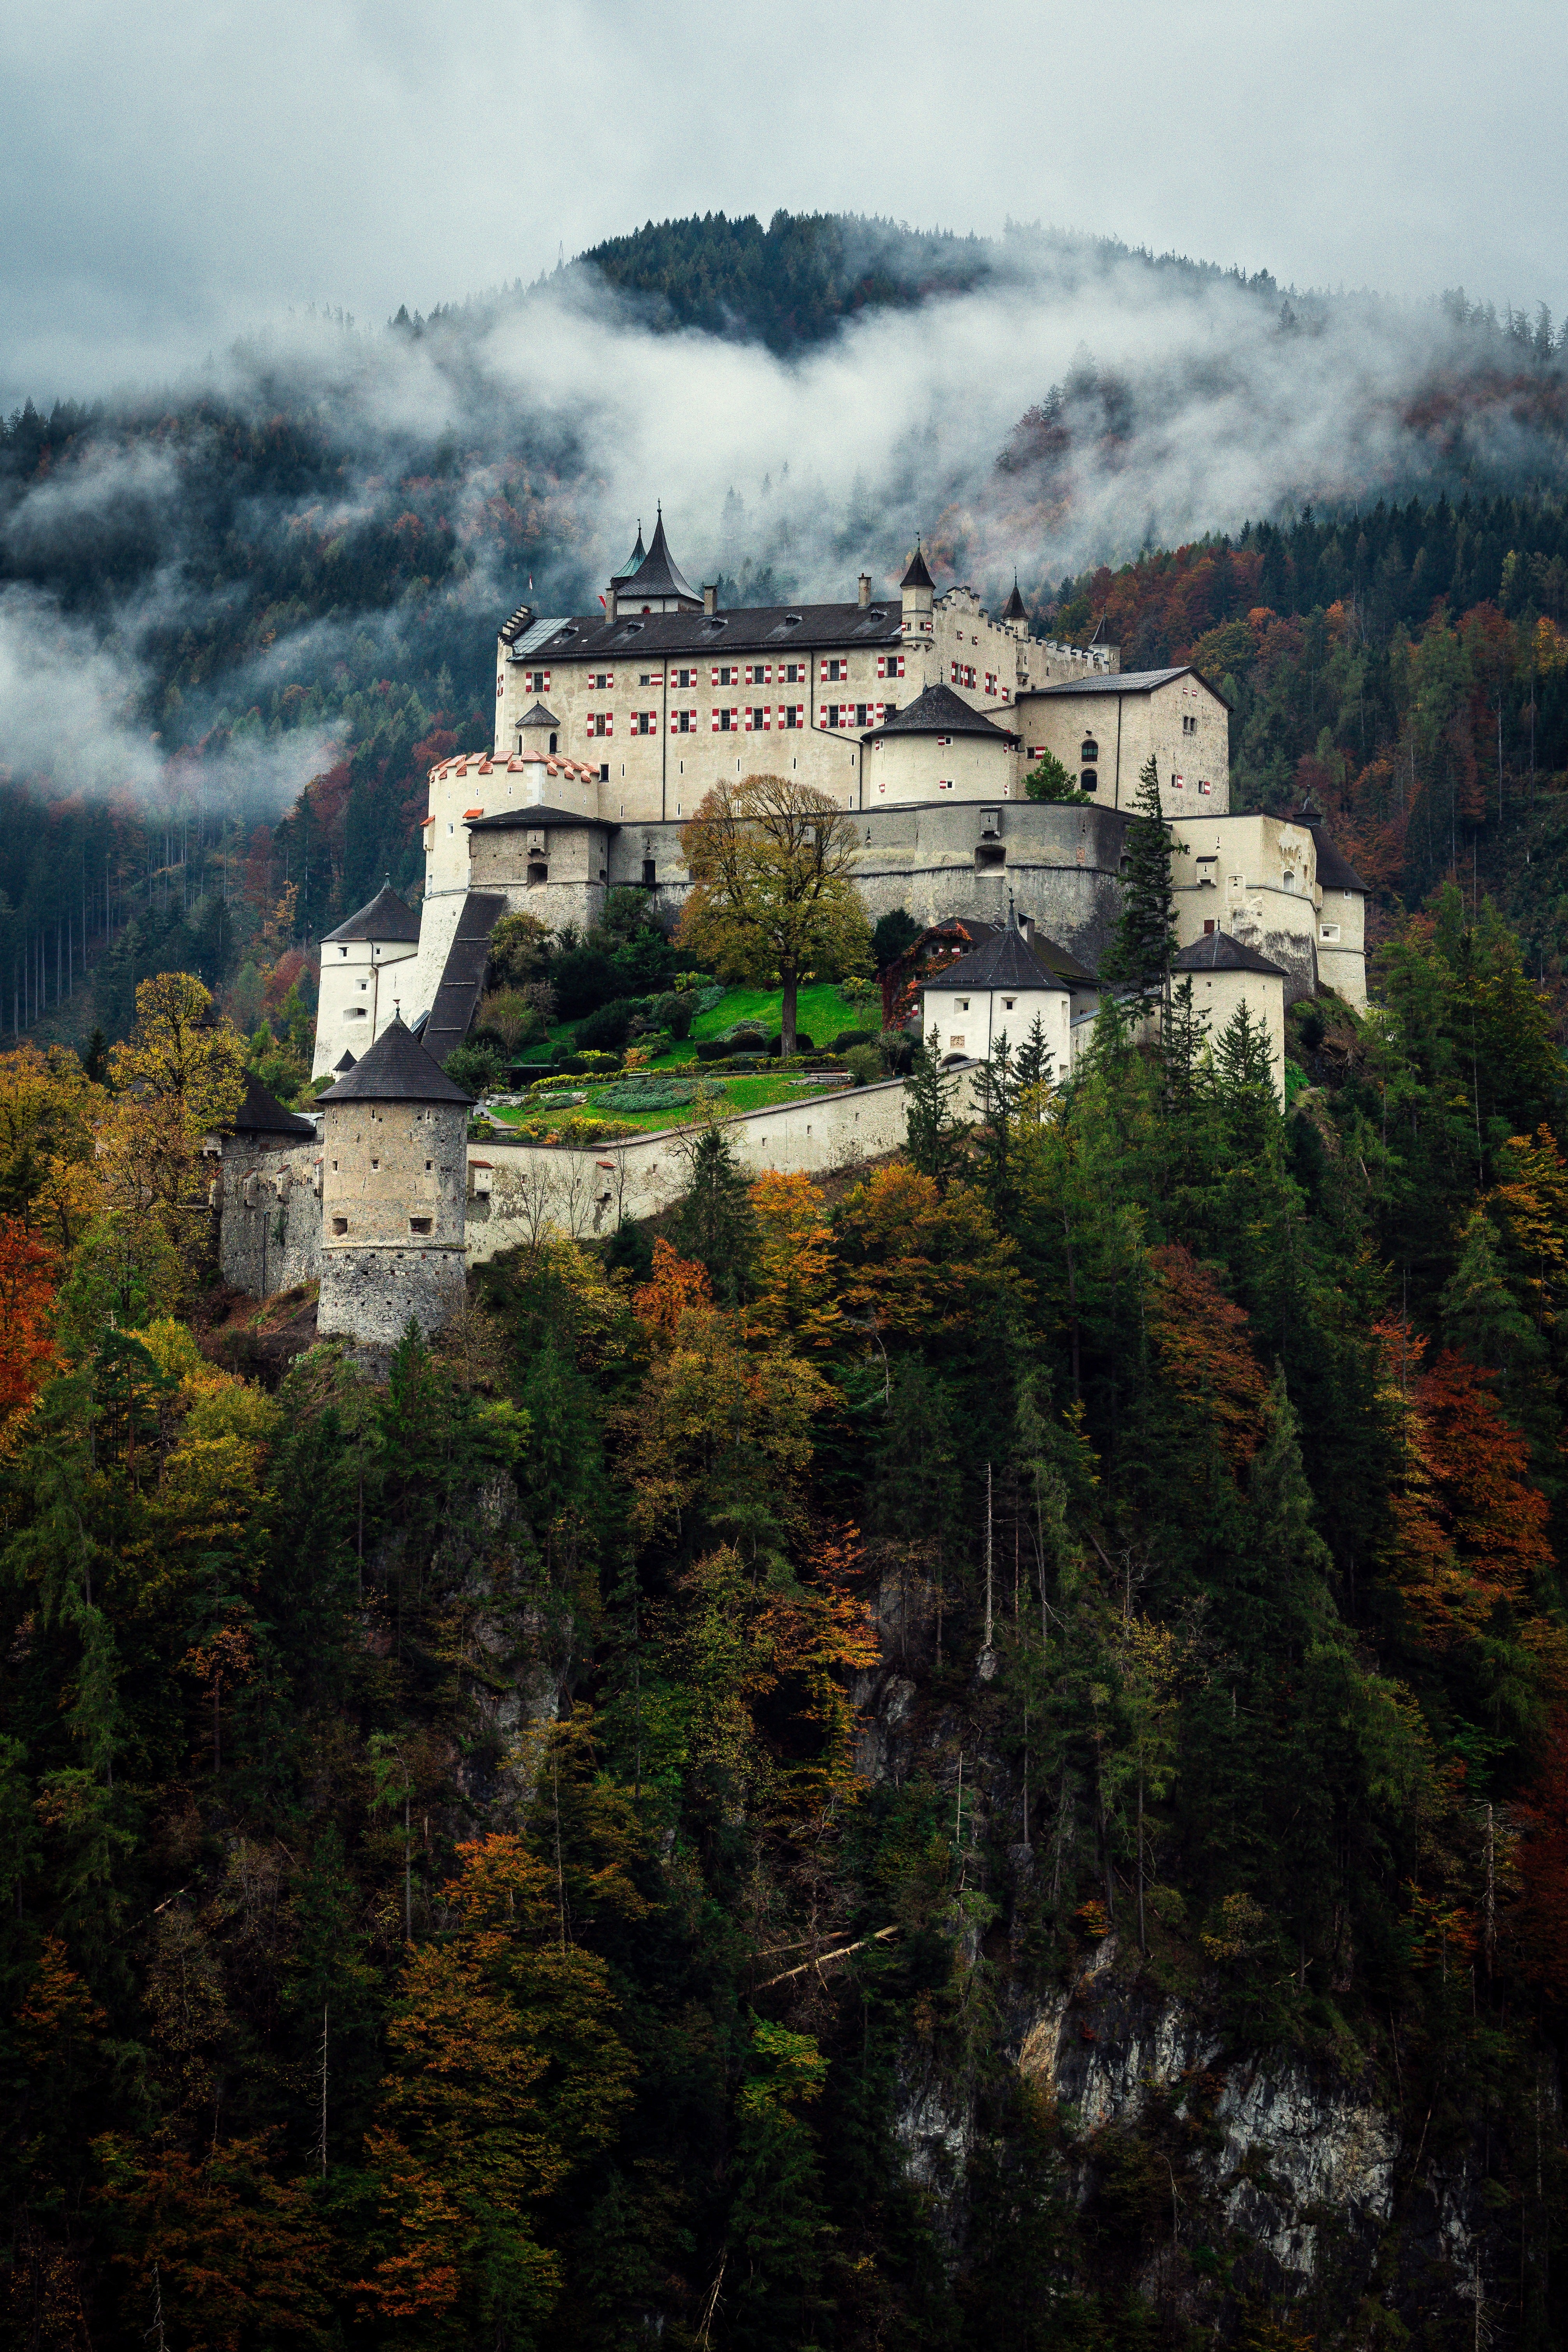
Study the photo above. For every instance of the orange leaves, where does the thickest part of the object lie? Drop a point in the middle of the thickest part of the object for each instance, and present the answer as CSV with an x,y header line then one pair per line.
x,y
240,2255
1204,1350
1530,1202
793,1271
27,1296
678,1286
916,1260
58,2009
1470,1530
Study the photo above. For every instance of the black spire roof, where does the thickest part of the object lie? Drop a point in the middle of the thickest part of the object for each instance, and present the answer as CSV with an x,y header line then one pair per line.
x,y
1004,960
397,1068
385,917
638,555
939,711
1013,610
1217,952
539,717
917,577
260,1113
657,574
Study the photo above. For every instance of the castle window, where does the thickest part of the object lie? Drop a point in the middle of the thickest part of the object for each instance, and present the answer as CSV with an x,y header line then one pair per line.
x,y
683,722
726,673
538,874
375,1163
554,743
890,665
725,722
1189,724
356,1013
428,1165
962,1006
861,719
833,670
684,677
1286,879
604,772
1008,1003
792,714
418,1225
343,951
758,719
340,1224
647,873
602,680
795,673
601,722
1330,933
1088,781
644,722
1088,751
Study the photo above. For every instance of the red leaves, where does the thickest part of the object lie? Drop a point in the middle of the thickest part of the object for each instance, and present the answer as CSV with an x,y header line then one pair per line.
x,y
1202,1342
27,1296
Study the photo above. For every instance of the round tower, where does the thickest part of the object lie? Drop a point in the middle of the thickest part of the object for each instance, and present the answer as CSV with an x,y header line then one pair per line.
x,y
395,1152
919,591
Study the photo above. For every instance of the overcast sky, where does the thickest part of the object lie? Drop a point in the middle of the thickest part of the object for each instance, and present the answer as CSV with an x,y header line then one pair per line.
x,y
173,173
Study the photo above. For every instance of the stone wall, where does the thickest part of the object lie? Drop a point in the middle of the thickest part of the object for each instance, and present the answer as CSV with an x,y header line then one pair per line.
x,y
389,1167
588,1193
369,1294
1256,877
269,1216
1127,727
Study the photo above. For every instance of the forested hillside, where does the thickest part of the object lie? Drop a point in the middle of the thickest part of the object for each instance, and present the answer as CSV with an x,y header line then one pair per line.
x,y
787,1783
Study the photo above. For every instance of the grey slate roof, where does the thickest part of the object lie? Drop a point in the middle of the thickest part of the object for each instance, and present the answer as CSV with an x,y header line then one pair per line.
x,y
656,637
345,1061
1217,952
261,1113
397,1068
939,711
385,917
1005,959
657,574
1335,871
516,820
1013,610
463,978
1131,681
539,717
917,577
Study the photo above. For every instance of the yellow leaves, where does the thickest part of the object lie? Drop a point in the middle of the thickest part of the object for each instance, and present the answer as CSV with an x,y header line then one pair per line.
x,y
50,1110
917,1260
794,1270
1530,1202
771,861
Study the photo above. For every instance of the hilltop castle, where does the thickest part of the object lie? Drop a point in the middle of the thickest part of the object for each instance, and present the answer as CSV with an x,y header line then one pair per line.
x,y
920,712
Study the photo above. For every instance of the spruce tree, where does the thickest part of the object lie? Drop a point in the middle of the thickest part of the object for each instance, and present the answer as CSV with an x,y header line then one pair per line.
x,y
714,1224
1142,953
936,1139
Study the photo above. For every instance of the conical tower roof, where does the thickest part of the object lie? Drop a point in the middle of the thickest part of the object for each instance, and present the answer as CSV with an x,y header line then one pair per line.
x,y
385,917
917,577
657,574
1013,610
397,1068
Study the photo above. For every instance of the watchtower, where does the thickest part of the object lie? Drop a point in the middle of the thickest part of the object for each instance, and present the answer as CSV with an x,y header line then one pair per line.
x,y
394,1179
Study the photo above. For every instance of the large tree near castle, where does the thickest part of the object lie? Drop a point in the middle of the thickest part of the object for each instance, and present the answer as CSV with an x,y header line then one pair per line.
x,y
773,892
1141,952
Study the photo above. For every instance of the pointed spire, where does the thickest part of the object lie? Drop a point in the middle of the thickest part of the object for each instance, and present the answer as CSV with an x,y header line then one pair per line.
x,y
1013,610
658,574
917,577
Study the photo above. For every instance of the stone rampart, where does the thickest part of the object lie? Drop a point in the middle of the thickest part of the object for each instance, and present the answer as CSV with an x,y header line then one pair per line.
x,y
369,1294
269,1217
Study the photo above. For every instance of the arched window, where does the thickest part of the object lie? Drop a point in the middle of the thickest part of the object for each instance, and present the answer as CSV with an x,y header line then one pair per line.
x,y
1089,752
552,742
1089,781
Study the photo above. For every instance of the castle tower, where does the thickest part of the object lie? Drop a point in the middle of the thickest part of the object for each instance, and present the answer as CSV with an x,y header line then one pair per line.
x,y
1013,616
356,992
919,593
394,1177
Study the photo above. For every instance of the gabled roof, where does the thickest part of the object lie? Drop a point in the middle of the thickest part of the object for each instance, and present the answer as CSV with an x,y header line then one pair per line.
x,y
397,1068
385,917
638,555
261,1113
1217,952
1129,681
774,629
538,716
939,711
917,577
657,574
1004,960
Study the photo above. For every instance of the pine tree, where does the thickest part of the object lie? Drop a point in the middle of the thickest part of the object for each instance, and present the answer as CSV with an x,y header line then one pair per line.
x,y
936,1139
715,1224
1144,947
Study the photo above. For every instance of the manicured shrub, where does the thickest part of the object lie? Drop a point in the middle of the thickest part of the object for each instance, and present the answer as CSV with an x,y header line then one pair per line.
x,y
675,1013
848,1038
804,1044
607,1030
864,1064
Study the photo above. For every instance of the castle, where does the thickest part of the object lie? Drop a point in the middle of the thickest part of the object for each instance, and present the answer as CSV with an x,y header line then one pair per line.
x,y
919,713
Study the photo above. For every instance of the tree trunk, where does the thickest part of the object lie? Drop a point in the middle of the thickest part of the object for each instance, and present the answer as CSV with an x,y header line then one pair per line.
x,y
786,1016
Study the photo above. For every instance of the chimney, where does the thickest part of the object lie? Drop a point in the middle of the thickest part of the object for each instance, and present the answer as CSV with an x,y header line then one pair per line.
x,y
865,590
711,597
610,613
1027,928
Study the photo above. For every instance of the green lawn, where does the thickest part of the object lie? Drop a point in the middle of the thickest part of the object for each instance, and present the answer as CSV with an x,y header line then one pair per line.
x,y
736,1095
820,1010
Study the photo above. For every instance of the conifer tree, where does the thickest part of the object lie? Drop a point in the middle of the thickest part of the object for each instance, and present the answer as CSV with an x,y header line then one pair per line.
x,y
1142,953
715,1224
936,1139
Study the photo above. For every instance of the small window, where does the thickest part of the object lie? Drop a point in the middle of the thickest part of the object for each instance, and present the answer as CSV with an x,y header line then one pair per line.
x,y
539,874
1089,781
648,872
553,744
1331,931
375,1163
340,1224
418,1225
1009,1003
1287,879
1209,927
428,1165
963,1003
1089,752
